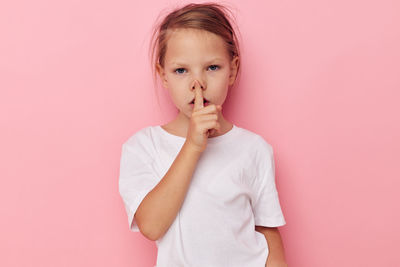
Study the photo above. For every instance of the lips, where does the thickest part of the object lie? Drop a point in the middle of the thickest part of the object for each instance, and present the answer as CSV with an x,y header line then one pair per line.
x,y
204,101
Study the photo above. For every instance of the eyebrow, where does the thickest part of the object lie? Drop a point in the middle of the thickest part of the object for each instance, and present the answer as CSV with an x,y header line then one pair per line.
x,y
208,62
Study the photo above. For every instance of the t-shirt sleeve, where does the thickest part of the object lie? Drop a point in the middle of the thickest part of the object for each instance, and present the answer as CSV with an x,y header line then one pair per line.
x,y
137,178
265,200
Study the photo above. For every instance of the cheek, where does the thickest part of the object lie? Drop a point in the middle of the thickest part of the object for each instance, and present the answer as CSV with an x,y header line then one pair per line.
x,y
221,80
223,77
176,98
176,81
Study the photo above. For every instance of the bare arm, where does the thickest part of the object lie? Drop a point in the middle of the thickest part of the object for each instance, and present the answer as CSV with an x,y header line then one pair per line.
x,y
159,208
276,256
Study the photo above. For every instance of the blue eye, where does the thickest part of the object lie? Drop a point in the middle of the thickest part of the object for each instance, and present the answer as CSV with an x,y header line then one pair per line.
x,y
179,69
214,66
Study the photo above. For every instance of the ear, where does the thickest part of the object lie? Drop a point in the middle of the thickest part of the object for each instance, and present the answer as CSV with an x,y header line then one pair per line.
x,y
161,73
234,68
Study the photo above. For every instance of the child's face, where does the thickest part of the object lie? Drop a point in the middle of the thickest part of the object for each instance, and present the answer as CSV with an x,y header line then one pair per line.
x,y
197,55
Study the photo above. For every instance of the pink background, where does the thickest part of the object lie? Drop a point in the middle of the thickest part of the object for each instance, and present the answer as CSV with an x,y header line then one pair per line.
x,y
320,83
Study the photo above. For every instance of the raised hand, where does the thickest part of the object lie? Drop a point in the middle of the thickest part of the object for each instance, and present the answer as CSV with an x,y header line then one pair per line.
x,y
203,121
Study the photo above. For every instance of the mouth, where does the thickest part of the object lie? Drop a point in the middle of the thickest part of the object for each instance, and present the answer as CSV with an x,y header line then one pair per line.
x,y
205,101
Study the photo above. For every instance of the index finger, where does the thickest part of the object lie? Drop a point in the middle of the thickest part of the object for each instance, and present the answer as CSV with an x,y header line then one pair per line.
x,y
198,98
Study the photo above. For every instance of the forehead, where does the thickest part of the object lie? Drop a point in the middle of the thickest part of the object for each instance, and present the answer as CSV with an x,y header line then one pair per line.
x,y
192,44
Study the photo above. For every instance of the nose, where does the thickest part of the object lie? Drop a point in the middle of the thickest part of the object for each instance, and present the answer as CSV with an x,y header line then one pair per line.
x,y
201,84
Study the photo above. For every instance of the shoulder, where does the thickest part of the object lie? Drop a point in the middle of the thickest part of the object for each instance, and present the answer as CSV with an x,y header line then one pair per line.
x,y
256,142
140,143
141,135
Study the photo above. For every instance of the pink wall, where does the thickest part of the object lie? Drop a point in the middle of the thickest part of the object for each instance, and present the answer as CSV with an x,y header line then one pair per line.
x,y
320,82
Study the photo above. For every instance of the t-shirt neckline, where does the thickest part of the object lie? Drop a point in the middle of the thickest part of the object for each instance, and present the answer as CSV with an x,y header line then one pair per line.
x,y
212,140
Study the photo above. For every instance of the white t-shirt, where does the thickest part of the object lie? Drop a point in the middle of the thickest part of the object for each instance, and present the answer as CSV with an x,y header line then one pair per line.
x,y
232,190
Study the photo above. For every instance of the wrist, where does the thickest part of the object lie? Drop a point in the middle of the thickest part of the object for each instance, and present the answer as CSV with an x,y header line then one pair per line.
x,y
192,149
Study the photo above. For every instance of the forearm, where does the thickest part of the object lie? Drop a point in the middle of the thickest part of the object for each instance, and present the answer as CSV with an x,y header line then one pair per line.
x,y
161,205
276,256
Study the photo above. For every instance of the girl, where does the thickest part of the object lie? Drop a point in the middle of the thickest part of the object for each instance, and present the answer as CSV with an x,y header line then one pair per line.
x,y
200,186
